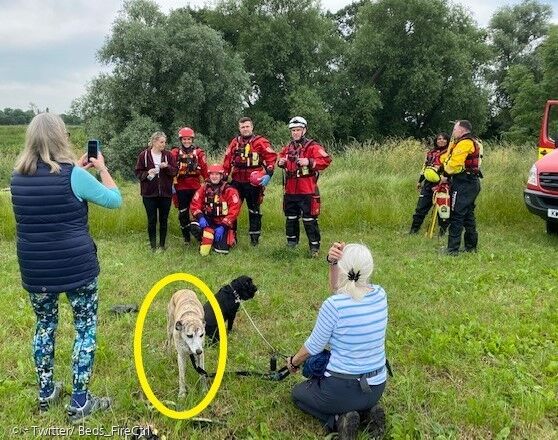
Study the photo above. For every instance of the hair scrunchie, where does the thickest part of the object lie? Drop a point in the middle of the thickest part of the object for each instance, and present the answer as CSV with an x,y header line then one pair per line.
x,y
354,276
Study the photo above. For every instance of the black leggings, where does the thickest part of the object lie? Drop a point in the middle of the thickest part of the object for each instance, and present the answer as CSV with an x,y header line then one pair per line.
x,y
152,205
327,397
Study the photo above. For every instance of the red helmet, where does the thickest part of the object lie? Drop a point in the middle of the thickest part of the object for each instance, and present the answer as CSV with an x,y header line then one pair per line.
x,y
216,168
186,132
255,177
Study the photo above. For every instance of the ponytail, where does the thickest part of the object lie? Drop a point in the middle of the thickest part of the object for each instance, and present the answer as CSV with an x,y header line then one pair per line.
x,y
355,268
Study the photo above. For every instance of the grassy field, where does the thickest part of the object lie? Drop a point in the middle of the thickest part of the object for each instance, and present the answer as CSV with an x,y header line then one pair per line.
x,y
472,340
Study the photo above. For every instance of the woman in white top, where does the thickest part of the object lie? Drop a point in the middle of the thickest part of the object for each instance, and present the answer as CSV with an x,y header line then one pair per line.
x,y
155,169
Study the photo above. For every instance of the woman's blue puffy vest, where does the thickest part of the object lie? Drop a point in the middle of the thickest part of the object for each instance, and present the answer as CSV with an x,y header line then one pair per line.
x,y
54,248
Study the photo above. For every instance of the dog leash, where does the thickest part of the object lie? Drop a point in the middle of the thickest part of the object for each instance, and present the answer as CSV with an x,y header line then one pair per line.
x,y
271,375
273,350
239,301
199,369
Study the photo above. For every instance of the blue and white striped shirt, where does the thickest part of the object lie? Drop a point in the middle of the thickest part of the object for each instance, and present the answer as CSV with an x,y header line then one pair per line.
x,y
355,332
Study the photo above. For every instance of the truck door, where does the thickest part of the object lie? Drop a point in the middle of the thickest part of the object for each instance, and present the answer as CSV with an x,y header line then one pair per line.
x,y
548,135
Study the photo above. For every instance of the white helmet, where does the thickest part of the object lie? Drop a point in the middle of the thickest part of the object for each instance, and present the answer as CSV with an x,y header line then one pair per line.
x,y
297,121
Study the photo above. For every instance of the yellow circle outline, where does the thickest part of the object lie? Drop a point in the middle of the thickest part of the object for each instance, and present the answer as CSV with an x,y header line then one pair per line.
x,y
138,359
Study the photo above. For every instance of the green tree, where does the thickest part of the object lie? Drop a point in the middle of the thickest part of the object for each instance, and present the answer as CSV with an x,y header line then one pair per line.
x,y
528,99
345,19
413,66
528,93
71,119
515,32
166,68
128,143
15,116
287,46
306,101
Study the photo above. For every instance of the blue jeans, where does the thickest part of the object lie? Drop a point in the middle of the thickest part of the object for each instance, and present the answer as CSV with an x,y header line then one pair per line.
x,y
84,302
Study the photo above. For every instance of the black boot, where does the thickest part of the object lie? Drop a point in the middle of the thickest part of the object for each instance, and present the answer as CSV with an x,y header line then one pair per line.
x,y
314,251
347,426
375,421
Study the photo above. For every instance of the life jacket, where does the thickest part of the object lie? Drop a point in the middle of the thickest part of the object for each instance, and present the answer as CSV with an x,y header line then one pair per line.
x,y
187,162
473,160
214,205
244,156
433,156
295,151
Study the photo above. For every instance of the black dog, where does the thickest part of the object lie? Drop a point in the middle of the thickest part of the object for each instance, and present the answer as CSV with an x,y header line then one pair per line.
x,y
228,297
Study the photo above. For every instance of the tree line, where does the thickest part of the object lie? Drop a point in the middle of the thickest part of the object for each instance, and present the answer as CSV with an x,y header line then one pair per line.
x,y
372,70
16,116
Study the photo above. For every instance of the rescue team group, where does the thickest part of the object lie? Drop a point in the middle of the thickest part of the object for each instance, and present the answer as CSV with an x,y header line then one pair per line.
x,y
208,205
50,189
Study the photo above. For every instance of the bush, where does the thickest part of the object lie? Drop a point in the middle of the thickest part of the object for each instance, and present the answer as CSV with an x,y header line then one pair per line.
x,y
123,149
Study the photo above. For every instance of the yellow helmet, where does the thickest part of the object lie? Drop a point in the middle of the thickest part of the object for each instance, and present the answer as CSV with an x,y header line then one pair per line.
x,y
431,174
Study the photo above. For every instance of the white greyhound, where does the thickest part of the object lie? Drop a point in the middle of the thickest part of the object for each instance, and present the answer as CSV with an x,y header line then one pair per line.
x,y
186,327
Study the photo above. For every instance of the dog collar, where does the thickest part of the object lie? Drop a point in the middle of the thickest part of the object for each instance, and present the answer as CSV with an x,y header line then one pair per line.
x,y
236,295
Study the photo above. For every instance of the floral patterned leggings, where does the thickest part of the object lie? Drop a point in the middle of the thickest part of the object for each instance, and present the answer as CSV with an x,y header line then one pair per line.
x,y
84,301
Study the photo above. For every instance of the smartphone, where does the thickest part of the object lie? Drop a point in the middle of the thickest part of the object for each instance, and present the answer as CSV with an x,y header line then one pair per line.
x,y
93,147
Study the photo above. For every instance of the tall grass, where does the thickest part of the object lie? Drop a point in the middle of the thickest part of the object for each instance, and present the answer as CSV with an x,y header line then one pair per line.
x,y
368,184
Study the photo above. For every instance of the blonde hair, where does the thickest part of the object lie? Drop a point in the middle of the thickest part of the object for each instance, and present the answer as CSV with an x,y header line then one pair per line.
x,y
155,136
355,268
46,139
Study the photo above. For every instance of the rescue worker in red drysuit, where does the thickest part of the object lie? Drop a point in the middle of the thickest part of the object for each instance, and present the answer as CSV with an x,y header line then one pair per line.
x,y
302,160
427,188
192,171
250,155
215,207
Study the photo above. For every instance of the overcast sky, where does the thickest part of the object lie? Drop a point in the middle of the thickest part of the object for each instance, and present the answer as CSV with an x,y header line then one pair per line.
x,y
47,54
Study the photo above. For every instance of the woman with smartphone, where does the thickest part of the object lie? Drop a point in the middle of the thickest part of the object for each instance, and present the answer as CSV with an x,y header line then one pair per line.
x,y
50,190
155,169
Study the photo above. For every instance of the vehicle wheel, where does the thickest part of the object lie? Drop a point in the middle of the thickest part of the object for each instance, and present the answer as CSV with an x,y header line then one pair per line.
x,y
551,227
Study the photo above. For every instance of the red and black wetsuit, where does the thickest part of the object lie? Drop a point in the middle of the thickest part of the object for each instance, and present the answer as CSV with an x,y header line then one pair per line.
x,y
245,155
192,171
220,205
301,193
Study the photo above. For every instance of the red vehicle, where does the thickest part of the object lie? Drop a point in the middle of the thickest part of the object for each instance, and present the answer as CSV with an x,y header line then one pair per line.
x,y
541,194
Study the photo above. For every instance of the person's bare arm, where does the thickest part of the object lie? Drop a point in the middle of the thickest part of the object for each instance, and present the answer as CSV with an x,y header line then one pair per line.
x,y
333,256
294,362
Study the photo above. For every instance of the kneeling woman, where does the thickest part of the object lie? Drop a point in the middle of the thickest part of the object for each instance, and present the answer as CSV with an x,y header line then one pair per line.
x,y
353,323
215,207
